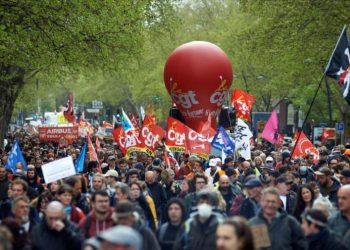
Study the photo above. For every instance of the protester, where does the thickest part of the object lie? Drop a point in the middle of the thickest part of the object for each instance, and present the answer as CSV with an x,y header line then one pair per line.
x,y
56,232
202,224
317,233
171,235
340,222
100,218
304,200
234,234
284,231
328,184
251,204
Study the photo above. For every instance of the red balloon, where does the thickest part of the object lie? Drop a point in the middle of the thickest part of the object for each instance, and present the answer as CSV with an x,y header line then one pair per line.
x,y
198,76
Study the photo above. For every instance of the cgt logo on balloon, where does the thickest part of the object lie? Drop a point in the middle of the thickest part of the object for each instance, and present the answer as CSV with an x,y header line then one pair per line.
x,y
197,76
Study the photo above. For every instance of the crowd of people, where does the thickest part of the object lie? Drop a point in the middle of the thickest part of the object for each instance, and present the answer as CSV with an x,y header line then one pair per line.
x,y
139,202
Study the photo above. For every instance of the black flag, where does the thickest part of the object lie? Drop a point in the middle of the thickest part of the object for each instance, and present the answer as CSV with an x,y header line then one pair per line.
x,y
338,65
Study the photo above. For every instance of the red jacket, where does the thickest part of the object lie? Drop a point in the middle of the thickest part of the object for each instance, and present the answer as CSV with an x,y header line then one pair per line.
x,y
91,226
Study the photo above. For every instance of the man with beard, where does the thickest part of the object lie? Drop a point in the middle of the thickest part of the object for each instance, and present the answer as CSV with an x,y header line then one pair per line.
x,y
228,191
328,185
20,211
100,218
34,180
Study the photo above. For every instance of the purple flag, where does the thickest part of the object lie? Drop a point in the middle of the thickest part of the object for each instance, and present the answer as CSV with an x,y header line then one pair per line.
x,y
270,132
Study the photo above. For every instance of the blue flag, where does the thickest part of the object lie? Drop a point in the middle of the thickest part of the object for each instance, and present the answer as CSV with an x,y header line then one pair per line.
x,y
15,157
79,163
222,142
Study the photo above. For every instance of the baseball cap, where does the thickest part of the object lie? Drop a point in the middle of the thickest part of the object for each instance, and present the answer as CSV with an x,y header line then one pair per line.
x,y
253,183
122,235
112,172
111,157
324,171
269,159
212,162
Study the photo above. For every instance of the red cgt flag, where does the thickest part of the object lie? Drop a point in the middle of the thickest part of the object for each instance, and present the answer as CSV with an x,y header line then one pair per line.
x,y
327,133
150,135
303,147
92,152
119,137
182,138
243,103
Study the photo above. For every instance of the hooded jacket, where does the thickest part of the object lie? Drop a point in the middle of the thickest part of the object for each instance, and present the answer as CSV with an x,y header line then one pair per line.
x,y
284,231
91,226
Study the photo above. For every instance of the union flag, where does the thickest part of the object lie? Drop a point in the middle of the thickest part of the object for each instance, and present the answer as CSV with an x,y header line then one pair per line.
x,y
243,103
327,133
303,147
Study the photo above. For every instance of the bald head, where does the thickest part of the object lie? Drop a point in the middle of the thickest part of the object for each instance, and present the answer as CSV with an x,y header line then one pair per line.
x,y
224,181
55,206
344,199
53,213
150,177
245,165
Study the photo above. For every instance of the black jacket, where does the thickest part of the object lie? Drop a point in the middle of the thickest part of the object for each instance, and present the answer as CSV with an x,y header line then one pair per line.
x,y
69,238
284,231
157,192
201,236
326,240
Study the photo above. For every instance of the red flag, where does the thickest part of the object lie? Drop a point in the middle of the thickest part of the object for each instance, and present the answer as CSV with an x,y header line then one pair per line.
x,y
327,133
182,138
205,128
150,136
134,122
176,135
68,112
119,137
303,147
243,103
107,125
98,144
92,152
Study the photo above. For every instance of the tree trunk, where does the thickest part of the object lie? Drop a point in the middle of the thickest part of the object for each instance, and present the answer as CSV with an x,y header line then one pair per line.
x,y
11,83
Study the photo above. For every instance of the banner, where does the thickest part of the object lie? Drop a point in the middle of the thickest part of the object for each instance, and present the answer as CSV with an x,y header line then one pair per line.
x,y
181,138
119,137
69,134
59,169
303,147
241,137
243,103
176,135
15,157
150,136
270,132
223,142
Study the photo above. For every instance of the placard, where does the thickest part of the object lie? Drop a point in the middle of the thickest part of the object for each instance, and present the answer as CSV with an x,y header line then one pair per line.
x,y
58,169
261,236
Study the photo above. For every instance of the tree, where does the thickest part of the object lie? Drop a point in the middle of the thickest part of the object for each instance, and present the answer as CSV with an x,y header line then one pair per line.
x,y
58,38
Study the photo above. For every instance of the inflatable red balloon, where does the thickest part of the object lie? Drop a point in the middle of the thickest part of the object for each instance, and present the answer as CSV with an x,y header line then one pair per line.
x,y
198,76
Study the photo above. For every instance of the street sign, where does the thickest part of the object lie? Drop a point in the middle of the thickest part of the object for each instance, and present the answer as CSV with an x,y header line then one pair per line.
x,y
97,104
339,127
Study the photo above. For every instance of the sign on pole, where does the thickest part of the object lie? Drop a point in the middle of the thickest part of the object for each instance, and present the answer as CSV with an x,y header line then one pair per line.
x,y
339,127
58,169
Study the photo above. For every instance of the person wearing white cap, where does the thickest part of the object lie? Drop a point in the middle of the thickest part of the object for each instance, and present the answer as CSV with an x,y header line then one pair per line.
x,y
121,238
212,172
111,178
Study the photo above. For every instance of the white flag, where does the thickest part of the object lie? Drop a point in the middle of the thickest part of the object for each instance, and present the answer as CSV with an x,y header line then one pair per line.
x,y
241,137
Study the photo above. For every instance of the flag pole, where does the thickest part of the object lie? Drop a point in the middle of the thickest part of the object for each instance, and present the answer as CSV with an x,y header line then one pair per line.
x,y
308,112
